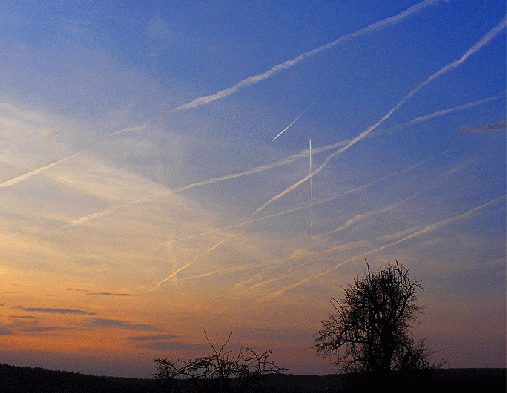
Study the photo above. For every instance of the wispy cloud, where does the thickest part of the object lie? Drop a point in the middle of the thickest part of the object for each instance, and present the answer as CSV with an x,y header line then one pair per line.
x,y
5,331
291,63
119,324
173,346
108,294
62,311
155,337
500,126
450,66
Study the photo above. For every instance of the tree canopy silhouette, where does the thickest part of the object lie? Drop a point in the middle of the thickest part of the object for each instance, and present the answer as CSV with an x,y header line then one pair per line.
x,y
370,328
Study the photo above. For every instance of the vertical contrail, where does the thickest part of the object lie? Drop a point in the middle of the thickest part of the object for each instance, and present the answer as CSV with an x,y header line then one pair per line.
x,y
167,192
257,169
317,202
290,63
311,186
483,41
293,121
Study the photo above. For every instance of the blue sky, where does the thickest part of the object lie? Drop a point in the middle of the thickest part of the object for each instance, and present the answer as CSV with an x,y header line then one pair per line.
x,y
143,191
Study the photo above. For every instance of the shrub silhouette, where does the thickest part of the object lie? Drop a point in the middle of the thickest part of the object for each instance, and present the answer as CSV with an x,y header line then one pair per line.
x,y
221,371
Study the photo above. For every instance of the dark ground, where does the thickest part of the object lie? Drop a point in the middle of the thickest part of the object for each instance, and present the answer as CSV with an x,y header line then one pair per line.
x,y
38,380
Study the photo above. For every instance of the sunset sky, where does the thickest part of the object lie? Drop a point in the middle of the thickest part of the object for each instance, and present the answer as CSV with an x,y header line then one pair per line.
x,y
157,180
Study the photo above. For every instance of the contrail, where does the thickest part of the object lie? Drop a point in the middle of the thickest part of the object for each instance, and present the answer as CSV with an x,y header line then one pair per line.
x,y
208,274
360,217
285,161
290,63
27,175
257,169
443,112
34,172
483,41
293,121
468,214
136,129
317,202
311,186
192,261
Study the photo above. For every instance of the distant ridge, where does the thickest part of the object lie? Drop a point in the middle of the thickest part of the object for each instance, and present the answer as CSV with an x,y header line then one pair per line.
x,y
15,379
28,379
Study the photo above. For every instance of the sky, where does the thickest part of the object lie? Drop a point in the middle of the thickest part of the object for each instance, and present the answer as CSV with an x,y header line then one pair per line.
x,y
171,168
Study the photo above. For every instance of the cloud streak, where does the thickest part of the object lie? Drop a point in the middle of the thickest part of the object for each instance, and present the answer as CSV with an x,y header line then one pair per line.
x,y
429,228
483,41
500,126
27,175
62,311
211,249
167,192
319,201
293,121
291,63
118,324
286,161
155,337
108,294
443,112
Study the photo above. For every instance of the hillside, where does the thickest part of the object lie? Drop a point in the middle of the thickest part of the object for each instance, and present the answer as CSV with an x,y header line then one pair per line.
x,y
26,379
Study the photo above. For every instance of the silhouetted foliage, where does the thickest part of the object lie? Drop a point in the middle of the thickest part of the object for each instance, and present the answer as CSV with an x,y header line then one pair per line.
x,y
369,330
222,371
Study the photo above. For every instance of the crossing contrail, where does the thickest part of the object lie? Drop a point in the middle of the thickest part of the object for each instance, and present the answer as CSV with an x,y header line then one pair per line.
x,y
192,261
290,63
483,41
167,192
443,112
319,201
260,168
468,214
293,121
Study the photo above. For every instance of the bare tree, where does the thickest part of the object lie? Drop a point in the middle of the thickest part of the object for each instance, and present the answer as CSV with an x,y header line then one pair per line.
x,y
370,328
222,371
